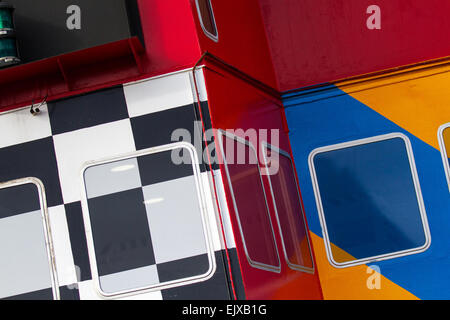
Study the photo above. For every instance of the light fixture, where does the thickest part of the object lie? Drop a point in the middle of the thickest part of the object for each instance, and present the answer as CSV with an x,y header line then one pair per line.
x,y
8,43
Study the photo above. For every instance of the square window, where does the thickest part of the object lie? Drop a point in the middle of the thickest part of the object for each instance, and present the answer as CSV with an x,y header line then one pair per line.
x,y
288,209
140,214
444,141
207,20
26,246
252,213
369,200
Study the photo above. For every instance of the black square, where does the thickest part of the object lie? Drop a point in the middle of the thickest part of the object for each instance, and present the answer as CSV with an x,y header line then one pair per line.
x,y
215,288
44,294
71,293
183,268
159,167
19,199
156,129
78,241
33,159
87,110
121,232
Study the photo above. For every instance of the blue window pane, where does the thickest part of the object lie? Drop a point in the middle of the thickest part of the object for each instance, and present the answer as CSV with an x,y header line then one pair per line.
x,y
369,200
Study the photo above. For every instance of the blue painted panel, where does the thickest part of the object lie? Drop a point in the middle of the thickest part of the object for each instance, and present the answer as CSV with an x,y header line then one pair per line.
x,y
369,199
332,117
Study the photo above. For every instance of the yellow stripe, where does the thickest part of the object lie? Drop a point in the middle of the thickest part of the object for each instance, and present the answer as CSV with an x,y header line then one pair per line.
x,y
351,283
417,101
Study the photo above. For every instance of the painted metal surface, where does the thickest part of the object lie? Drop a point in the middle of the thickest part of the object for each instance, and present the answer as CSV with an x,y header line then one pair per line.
x,y
121,122
318,41
235,104
171,44
241,40
415,104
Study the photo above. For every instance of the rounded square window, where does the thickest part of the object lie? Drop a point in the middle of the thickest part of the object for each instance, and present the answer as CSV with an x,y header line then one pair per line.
x,y
207,19
288,208
27,270
146,223
249,201
369,200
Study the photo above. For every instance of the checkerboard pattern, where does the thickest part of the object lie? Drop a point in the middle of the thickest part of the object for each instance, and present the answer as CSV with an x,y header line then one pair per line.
x,y
152,246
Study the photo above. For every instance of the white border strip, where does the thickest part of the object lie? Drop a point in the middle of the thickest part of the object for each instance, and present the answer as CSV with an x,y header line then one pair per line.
x,y
266,163
46,224
418,194
259,265
444,151
205,223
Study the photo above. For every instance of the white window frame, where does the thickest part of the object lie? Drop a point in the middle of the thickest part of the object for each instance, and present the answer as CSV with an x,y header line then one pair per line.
x,y
204,215
259,265
421,204
213,37
45,224
293,266
444,151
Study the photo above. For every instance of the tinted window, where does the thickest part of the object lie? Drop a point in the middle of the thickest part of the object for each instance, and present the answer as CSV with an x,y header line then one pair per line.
x,y
249,202
207,19
369,199
289,211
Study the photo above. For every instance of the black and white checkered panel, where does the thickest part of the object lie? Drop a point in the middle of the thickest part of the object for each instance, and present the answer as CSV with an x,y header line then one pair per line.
x,y
146,221
54,145
25,265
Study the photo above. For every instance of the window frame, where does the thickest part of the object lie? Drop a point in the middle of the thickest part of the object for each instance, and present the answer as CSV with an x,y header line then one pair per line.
x,y
204,217
213,37
258,265
417,187
444,151
45,224
291,265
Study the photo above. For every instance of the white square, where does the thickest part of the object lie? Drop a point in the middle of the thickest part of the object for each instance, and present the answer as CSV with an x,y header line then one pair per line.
x,y
25,266
175,220
87,291
21,126
65,265
158,94
75,148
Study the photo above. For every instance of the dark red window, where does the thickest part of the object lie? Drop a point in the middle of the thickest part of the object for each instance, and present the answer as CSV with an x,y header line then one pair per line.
x,y
249,201
288,208
207,20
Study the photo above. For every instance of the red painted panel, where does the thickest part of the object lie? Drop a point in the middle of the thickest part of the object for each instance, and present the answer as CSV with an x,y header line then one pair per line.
x,y
170,35
235,104
171,44
242,41
317,41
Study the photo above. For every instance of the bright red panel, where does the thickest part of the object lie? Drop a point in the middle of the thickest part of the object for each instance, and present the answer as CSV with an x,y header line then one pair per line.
x,y
242,41
234,103
170,35
317,41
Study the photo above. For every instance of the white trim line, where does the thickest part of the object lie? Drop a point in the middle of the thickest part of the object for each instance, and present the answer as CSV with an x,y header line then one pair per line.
x,y
421,204
205,223
259,265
